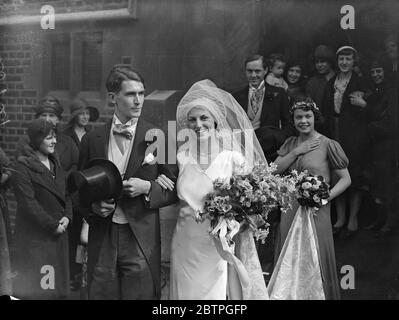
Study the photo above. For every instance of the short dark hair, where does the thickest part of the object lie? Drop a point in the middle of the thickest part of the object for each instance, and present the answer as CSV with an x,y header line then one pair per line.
x,y
256,57
120,73
38,130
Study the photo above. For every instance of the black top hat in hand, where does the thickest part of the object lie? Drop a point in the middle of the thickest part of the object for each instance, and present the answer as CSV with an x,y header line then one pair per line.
x,y
101,180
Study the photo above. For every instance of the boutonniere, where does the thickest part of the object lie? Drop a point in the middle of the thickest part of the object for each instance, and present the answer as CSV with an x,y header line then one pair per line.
x,y
149,159
270,95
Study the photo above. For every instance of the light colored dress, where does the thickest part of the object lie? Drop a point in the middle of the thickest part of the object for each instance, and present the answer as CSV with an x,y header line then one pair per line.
x,y
197,270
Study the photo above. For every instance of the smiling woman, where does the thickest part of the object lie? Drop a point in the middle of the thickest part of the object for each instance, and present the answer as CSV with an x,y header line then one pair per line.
x,y
43,214
318,155
346,113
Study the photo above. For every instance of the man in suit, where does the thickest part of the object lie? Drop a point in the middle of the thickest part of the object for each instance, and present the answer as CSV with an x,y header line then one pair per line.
x,y
267,107
124,249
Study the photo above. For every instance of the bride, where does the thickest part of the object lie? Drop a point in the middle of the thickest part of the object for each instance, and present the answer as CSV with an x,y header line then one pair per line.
x,y
201,266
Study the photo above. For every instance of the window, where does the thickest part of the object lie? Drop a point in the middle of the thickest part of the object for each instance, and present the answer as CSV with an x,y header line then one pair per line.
x,y
73,63
60,63
92,62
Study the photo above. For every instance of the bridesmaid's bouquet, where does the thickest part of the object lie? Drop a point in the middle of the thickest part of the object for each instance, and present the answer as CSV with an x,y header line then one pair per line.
x,y
312,190
247,197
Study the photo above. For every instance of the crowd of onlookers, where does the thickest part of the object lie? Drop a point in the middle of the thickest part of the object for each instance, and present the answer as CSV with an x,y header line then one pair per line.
x,y
360,110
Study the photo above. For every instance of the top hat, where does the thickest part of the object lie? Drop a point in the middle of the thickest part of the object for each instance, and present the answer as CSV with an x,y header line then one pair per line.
x,y
101,180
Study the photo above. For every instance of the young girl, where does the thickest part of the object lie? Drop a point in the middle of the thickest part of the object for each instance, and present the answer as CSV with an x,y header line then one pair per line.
x,y
276,71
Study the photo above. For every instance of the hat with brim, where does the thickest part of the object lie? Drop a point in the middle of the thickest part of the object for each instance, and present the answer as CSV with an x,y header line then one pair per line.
x,y
80,105
100,181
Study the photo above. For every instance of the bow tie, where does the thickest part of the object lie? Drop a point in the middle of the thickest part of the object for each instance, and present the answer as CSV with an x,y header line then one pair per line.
x,y
122,131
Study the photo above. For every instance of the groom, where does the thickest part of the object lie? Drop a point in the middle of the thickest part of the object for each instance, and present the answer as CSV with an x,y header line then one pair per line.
x,y
124,259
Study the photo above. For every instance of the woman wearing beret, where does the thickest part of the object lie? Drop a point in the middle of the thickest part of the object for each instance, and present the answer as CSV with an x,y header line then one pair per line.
x,y
43,214
345,111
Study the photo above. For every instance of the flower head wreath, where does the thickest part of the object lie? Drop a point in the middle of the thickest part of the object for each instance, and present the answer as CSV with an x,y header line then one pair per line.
x,y
305,105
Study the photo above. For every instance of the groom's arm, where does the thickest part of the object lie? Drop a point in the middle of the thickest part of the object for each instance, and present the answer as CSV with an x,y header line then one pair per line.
x,y
159,197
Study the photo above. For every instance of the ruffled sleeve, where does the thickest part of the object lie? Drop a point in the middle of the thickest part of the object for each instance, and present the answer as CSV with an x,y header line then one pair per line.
x,y
287,146
336,155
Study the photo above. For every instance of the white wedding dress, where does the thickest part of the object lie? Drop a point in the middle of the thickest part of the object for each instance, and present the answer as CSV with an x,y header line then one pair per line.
x,y
197,270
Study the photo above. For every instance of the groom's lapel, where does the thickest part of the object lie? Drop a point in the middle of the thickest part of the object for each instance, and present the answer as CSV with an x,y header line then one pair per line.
x,y
103,140
139,146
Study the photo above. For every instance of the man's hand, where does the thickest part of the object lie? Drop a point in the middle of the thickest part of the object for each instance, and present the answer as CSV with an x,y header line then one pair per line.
x,y
64,222
104,208
135,187
60,230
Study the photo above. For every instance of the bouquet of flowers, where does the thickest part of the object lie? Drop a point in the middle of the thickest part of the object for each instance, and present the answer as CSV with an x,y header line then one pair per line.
x,y
247,197
312,190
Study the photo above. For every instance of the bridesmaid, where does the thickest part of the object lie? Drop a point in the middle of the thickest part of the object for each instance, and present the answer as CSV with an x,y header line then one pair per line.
x,y
319,155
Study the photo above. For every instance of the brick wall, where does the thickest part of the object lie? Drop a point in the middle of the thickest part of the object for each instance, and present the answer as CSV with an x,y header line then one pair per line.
x,y
15,52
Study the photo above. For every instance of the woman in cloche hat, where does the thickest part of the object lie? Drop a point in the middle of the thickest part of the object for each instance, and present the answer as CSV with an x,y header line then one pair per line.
x,y
81,114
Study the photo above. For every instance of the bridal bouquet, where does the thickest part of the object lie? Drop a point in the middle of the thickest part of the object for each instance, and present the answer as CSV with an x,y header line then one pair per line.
x,y
247,197
312,190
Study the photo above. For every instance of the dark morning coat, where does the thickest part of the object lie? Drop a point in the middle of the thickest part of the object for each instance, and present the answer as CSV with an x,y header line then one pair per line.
x,y
143,216
41,202
275,111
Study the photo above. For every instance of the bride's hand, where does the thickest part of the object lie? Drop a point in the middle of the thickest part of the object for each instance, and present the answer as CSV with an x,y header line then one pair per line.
x,y
165,182
225,250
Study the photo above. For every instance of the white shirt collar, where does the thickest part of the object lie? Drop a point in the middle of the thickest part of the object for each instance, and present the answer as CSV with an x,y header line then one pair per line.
x,y
261,85
130,125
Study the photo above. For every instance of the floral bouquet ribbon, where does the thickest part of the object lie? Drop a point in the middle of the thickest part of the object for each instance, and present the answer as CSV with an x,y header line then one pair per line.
x,y
297,274
222,236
